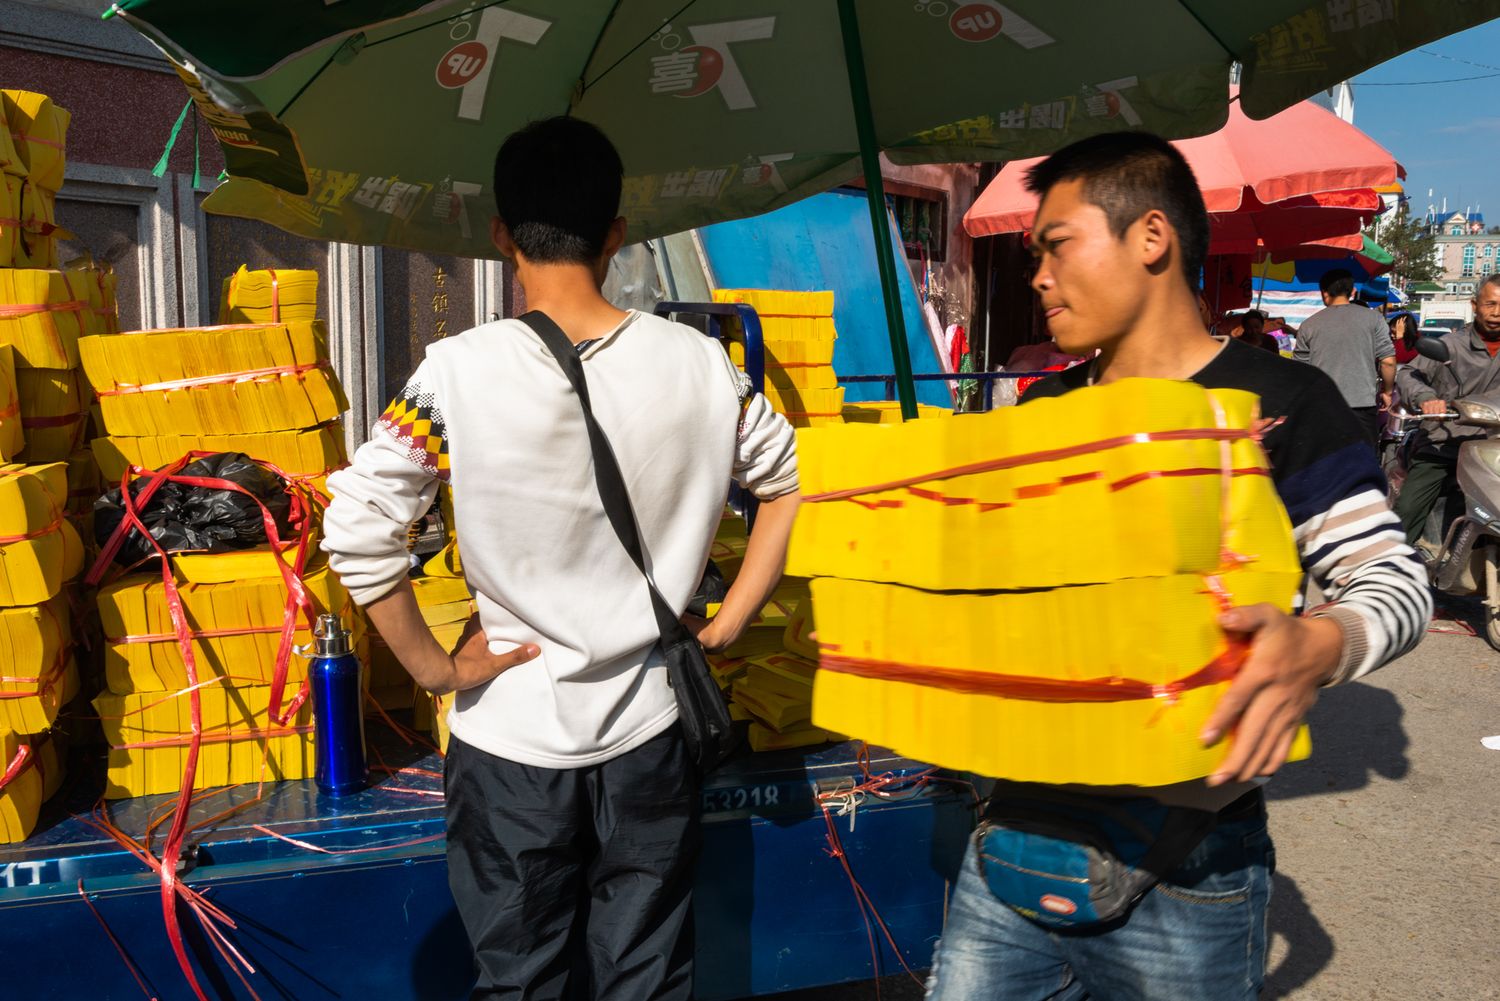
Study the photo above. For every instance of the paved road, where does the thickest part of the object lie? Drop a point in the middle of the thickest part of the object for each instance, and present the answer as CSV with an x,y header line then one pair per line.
x,y
1388,841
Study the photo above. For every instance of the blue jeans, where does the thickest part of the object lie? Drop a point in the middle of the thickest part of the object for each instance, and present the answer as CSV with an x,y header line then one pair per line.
x,y
1199,935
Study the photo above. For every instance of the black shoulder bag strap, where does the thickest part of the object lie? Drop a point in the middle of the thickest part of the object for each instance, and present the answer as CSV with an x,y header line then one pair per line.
x,y
706,725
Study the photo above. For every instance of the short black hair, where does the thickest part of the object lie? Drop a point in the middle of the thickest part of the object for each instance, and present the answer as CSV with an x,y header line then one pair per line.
x,y
1127,174
1258,314
557,189
1337,283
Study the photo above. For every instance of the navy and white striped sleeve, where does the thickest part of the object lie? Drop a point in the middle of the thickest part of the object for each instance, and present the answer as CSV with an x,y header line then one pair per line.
x,y
1351,544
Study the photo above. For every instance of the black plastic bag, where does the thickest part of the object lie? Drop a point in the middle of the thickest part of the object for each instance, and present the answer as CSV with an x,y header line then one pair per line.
x,y
184,518
711,590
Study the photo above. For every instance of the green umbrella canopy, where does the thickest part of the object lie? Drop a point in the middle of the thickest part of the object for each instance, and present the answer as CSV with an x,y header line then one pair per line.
x,y
376,121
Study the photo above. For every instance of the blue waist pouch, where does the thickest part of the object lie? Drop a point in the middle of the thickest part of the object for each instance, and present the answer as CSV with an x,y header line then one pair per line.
x,y
1070,860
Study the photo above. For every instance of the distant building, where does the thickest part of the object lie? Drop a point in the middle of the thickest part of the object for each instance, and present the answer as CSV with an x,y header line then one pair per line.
x,y
1466,255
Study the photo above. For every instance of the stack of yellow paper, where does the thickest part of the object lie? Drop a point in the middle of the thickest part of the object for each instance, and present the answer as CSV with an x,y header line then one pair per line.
x,y
798,337
40,676
10,211
214,380
269,296
12,434
446,606
887,412
236,626
309,456
95,282
149,737
54,412
40,316
31,772
953,631
84,487
39,549
38,132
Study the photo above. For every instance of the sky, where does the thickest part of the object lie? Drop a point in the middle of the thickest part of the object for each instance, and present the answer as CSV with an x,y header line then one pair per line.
x,y
1447,135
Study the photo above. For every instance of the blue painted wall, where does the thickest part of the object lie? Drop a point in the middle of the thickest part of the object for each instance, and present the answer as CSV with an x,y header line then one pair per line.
x,y
820,243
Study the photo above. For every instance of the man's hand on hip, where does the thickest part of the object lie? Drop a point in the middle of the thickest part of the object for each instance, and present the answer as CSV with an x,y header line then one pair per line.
x,y
1290,659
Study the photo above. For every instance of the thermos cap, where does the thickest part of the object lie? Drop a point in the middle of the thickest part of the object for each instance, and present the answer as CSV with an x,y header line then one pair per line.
x,y
330,638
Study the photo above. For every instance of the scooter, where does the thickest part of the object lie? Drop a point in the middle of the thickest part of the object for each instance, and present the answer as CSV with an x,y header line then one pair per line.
x,y
1465,559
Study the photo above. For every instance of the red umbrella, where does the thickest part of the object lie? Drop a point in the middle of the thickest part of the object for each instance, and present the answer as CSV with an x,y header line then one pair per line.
x,y
1247,166
1329,215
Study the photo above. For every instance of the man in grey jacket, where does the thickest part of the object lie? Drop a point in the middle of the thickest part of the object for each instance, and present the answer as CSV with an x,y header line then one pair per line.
x,y
1429,385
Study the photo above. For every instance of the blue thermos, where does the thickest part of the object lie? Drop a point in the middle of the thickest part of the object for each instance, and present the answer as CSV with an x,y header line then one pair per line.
x,y
338,711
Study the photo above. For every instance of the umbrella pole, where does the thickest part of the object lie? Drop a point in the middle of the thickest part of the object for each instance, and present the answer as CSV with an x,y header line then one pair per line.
x,y
869,154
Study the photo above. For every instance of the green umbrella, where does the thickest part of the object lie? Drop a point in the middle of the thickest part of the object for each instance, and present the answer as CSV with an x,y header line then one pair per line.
x,y
376,121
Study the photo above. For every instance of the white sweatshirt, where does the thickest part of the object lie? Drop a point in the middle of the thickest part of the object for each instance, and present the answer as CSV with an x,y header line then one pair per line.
x,y
491,412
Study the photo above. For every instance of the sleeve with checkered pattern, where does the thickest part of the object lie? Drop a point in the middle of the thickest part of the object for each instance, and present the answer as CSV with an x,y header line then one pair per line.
x,y
390,483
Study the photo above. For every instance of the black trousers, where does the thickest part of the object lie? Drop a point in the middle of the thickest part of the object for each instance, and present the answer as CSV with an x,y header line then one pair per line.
x,y
576,884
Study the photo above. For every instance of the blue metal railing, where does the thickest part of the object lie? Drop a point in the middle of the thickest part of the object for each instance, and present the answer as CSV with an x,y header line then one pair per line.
x,y
987,378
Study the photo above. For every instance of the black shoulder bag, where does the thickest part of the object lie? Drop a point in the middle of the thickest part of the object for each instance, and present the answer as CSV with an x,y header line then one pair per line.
x,y
701,710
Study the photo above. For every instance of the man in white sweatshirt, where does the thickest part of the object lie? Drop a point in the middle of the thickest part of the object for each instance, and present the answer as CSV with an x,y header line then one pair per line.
x,y
571,802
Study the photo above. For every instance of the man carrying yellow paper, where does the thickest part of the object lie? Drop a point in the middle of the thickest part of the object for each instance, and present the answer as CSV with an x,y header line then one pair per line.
x,y
1177,878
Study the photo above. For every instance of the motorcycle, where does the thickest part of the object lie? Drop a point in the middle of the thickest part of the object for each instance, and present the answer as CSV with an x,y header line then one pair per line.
x,y
1462,557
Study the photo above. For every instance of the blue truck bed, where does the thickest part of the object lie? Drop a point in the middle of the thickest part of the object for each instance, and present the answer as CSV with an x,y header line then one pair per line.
x,y
774,910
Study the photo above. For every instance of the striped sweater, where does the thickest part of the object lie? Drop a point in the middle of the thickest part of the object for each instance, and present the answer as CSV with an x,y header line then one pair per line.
x,y
1352,547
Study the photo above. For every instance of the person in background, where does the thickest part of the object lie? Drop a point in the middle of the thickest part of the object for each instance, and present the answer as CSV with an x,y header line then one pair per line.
x,y
1403,335
1353,345
1429,385
1253,331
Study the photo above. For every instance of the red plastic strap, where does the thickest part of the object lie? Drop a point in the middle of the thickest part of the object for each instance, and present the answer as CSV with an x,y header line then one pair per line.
x,y
11,312
124,957
11,411
1033,458
33,139
349,851
296,600
197,634
216,737
45,682
1033,689
60,420
229,378
51,527
24,758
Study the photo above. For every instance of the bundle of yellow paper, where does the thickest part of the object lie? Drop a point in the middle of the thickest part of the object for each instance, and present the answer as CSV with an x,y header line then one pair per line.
x,y
887,412
54,411
430,713
149,735
817,406
12,435
84,487
764,738
40,316
39,549
777,689
31,772
797,338
212,380
95,282
37,244
39,129
269,296
446,605
236,628
10,157
10,214
1088,656
39,674
308,456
